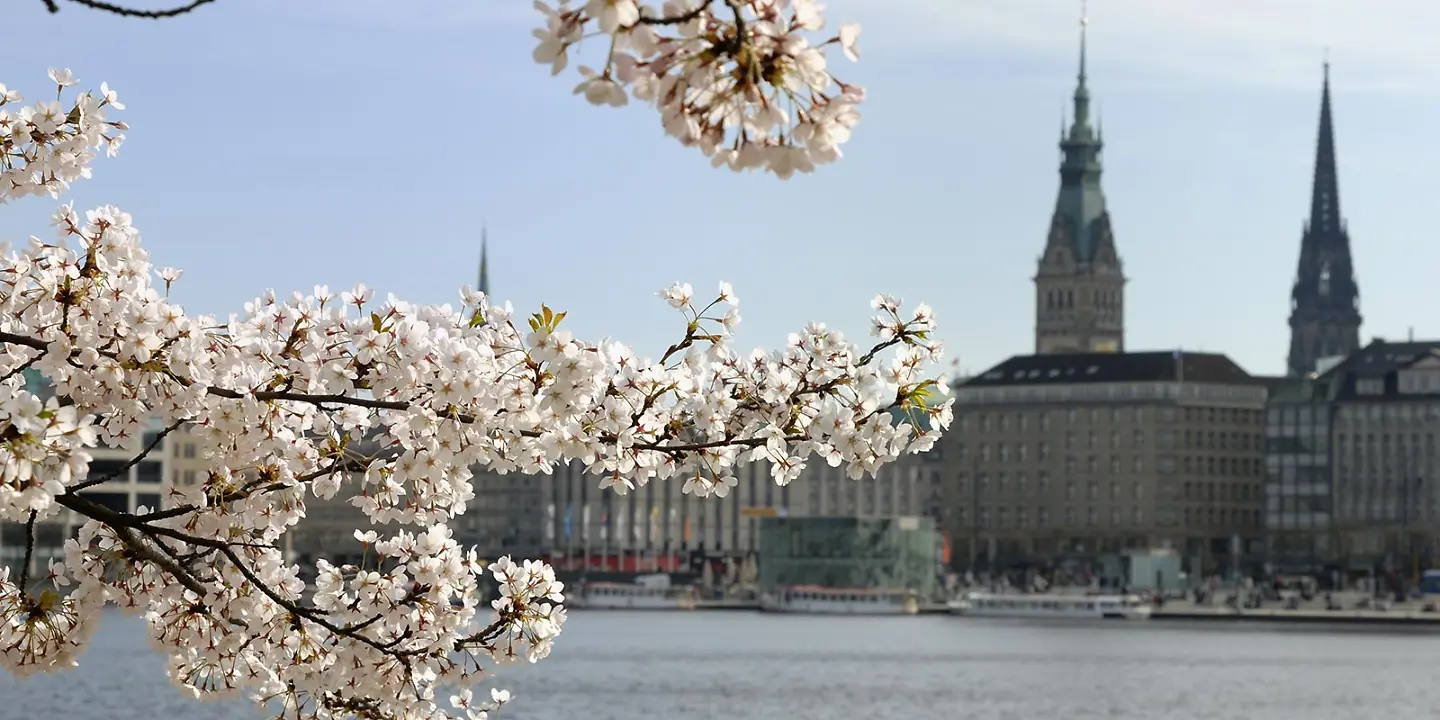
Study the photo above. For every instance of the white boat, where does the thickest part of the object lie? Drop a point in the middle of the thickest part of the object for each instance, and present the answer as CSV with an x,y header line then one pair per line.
x,y
1080,607
840,601
622,596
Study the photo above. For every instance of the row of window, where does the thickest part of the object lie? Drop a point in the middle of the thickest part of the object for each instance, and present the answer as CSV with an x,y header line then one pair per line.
x,y
1001,421
1001,518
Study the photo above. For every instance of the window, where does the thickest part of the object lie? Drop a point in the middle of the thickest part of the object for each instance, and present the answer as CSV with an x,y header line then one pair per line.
x,y
1115,516
1114,464
1092,516
1139,490
1139,437
1020,451
1138,516
119,502
147,472
1070,517
1044,450
1069,489
1044,421
1138,464
1093,490
149,500
188,451
106,468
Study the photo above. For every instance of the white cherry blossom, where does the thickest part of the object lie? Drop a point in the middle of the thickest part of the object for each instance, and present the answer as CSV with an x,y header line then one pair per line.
x,y
312,394
742,80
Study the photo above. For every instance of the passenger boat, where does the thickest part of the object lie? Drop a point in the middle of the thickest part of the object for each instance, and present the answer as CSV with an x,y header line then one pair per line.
x,y
840,601
1080,607
622,596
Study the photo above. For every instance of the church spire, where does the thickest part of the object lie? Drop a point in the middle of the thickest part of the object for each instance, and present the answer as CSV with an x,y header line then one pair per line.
x,y
1325,302
1325,194
484,284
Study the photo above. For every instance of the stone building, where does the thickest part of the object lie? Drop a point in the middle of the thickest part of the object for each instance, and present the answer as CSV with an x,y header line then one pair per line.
x,y
1079,280
1056,457
1385,401
1325,300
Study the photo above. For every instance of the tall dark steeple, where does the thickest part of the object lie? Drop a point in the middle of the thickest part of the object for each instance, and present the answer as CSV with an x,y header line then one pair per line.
x,y
484,284
1080,282
1325,301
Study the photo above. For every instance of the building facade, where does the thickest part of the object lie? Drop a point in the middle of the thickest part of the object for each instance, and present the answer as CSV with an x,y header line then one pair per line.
x,y
848,552
656,527
1299,509
1079,280
1385,401
1325,300
1060,457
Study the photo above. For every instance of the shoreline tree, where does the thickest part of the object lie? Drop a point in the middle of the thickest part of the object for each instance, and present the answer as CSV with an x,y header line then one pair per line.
x,y
280,396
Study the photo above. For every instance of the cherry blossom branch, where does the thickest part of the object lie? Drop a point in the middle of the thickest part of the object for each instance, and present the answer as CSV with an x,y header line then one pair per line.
x,y
132,462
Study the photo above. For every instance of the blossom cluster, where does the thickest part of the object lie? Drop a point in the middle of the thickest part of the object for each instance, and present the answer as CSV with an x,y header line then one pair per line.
x,y
281,397
745,81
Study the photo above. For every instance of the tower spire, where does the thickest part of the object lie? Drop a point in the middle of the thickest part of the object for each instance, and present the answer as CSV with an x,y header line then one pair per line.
x,y
1325,317
484,284
1080,282
1325,194
1082,92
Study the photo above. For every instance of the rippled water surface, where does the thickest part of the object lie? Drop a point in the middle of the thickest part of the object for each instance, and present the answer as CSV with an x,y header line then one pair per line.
x,y
695,666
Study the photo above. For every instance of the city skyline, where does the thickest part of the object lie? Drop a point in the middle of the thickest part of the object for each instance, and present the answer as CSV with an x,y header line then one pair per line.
x,y
1207,171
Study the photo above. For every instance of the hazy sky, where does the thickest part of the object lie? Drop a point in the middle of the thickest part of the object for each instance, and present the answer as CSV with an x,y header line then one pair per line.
x,y
285,143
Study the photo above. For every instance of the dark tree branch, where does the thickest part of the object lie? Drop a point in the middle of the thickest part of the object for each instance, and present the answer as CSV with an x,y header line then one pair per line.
x,y
123,11
680,19
159,438
29,551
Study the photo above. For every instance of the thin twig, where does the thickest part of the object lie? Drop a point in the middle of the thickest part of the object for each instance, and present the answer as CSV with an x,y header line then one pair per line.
x,y
130,12
159,438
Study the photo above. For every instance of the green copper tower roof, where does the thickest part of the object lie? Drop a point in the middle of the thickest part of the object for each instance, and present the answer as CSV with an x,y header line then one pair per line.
x,y
1081,201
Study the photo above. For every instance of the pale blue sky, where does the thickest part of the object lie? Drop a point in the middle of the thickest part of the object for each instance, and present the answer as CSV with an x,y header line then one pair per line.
x,y
284,143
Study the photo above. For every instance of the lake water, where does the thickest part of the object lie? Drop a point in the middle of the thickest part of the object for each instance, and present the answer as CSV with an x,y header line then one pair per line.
x,y
698,666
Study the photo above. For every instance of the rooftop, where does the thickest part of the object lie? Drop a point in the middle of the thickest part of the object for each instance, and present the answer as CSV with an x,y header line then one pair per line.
x,y
1159,366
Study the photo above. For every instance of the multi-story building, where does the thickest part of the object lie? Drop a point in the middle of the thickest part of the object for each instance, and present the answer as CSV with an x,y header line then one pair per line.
x,y
656,526
1056,457
1298,505
1385,401
1079,279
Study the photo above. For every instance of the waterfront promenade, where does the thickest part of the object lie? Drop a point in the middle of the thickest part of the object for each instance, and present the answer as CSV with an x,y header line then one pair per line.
x,y
1404,614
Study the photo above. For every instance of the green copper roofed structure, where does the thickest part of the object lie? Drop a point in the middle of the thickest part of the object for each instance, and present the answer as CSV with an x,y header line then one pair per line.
x,y
1080,283
1325,301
